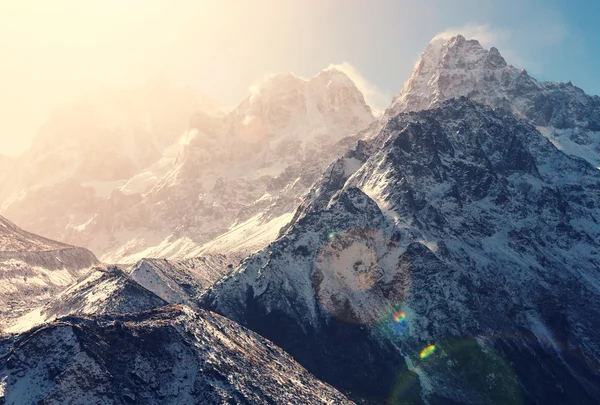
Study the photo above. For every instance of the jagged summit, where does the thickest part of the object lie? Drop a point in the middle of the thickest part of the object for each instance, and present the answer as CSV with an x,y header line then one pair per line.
x,y
456,67
333,75
275,82
282,102
449,67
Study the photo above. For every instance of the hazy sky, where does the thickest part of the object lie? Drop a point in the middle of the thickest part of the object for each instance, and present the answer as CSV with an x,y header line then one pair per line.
x,y
56,51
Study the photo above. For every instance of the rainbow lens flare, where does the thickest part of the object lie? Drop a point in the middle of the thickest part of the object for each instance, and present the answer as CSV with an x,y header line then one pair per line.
x,y
399,317
428,351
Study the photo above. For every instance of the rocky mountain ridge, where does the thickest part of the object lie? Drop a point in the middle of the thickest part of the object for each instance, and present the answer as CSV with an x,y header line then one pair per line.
x,y
103,291
443,218
90,148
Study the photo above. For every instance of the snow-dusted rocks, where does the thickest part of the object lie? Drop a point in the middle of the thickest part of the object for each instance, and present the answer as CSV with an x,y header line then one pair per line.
x,y
150,283
33,269
180,282
288,118
172,355
460,227
458,67
103,291
450,256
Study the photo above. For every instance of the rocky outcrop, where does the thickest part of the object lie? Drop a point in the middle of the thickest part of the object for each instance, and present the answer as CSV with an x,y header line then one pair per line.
x,y
229,172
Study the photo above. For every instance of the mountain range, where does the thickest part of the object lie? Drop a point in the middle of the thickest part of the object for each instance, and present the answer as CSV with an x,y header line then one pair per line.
x,y
446,252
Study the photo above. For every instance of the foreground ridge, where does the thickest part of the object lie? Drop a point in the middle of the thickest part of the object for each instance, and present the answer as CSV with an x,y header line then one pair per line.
x,y
171,355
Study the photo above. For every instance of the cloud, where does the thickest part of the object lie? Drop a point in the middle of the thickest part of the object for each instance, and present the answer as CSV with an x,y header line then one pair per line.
x,y
374,96
486,35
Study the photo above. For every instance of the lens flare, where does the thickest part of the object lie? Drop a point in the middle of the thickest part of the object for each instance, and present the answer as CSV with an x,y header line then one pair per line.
x,y
471,363
426,352
331,235
399,317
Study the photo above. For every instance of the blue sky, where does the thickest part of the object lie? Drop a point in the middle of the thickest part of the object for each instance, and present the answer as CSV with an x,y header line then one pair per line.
x,y
55,52
553,40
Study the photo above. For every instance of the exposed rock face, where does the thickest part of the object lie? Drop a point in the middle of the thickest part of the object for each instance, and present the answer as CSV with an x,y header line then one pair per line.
x,y
471,225
33,269
460,67
171,355
451,256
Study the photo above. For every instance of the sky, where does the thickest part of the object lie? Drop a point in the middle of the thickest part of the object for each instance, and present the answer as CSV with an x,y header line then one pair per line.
x,y
55,52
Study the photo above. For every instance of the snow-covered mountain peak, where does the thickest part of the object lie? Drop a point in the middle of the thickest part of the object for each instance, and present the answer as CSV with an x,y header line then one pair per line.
x,y
94,146
282,82
456,67
275,84
287,118
449,67
223,174
282,97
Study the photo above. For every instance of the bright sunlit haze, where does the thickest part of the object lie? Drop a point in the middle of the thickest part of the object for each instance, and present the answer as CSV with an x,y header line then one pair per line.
x,y
61,51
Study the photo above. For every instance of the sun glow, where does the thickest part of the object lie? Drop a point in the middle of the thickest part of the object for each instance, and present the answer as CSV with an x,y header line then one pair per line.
x,y
58,52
